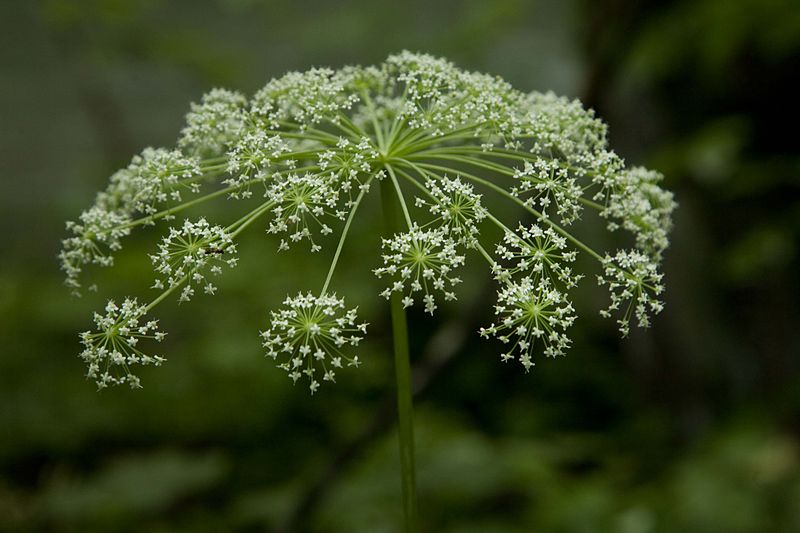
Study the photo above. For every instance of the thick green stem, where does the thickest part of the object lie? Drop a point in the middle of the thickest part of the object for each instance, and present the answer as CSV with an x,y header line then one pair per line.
x,y
405,409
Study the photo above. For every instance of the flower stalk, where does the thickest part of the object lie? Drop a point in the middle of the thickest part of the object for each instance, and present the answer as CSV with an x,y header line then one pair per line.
x,y
402,365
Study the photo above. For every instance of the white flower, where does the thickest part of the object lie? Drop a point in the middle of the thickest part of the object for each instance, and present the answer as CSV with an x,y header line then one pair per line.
x,y
258,155
539,253
96,236
440,97
551,187
421,261
634,201
530,315
215,123
310,334
154,177
190,253
563,128
301,201
634,282
457,207
312,142
305,97
348,159
112,349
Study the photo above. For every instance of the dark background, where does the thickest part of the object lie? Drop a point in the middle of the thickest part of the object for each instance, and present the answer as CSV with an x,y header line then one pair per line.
x,y
692,426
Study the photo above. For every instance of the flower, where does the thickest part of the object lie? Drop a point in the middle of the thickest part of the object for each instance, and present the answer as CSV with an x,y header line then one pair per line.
x,y
112,349
551,186
634,201
540,253
348,160
257,156
310,332
214,124
634,281
439,97
95,237
311,143
305,97
154,177
421,261
564,129
188,254
528,313
300,201
457,208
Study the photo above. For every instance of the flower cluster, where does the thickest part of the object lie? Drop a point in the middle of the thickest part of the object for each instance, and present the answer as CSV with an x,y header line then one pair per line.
x,y
634,201
634,282
550,186
256,157
538,253
439,97
300,200
531,313
457,207
112,349
563,128
96,235
190,253
349,159
421,261
154,177
305,98
310,332
312,142
214,124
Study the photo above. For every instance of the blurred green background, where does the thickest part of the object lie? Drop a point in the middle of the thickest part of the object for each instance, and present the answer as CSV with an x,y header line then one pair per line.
x,y
692,426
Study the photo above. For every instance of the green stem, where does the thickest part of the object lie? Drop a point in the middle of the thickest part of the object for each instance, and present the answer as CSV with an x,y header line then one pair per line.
x,y
306,132
400,197
477,153
405,410
350,127
397,123
344,235
164,294
179,207
416,145
373,114
237,227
